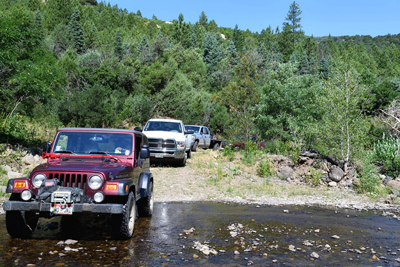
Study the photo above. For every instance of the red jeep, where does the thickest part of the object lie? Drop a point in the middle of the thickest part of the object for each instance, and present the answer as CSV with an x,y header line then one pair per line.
x,y
88,171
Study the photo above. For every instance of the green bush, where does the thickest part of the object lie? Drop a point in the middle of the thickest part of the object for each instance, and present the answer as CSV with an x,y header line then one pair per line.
x,y
386,153
265,168
229,153
369,180
315,177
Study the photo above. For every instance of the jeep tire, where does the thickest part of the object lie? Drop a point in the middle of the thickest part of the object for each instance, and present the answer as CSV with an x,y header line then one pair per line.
x,y
124,224
21,224
145,205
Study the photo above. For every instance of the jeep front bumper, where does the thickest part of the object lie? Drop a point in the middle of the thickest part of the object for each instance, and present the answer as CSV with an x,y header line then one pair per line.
x,y
78,207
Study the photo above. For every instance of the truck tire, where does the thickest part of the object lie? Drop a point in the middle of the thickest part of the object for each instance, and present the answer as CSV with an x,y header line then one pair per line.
x,y
195,146
182,162
189,154
216,147
124,224
21,224
145,205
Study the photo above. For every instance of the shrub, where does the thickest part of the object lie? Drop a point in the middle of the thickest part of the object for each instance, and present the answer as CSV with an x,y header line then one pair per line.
x,y
91,59
265,168
315,177
229,153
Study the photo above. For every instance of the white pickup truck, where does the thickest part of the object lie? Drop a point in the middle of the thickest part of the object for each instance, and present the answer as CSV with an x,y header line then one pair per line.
x,y
168,140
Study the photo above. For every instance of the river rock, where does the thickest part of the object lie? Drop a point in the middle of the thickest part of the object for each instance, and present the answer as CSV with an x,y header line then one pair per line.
x,y
336,174
286,172
332,184
314,255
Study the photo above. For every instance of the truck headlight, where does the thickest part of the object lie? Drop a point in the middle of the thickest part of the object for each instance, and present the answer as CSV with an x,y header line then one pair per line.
x,y
180,144
95,182
38,179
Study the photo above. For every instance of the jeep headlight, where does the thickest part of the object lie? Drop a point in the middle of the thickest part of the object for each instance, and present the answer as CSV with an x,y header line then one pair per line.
x,y
38,179
95,182
180,144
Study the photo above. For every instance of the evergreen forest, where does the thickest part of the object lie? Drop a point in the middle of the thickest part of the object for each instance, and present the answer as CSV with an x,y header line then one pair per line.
x,y
83,63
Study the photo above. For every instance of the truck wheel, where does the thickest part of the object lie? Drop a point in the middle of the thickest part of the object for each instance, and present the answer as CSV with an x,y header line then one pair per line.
x,y
216,147
195,146
182,162
124,224
189,154
21,224
145,205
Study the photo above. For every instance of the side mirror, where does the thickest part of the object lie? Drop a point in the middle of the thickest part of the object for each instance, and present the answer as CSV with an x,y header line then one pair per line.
x,y
189,132
144,152
47,147
137,128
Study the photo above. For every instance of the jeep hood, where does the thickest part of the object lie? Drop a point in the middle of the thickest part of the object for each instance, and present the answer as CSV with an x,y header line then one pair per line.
x,y
85,166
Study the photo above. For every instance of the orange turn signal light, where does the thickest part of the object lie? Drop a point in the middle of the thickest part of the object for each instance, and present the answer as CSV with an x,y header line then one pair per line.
x,y
111,187
19,184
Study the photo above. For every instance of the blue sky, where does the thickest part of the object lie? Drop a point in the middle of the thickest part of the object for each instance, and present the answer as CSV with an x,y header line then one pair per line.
x,y
319,17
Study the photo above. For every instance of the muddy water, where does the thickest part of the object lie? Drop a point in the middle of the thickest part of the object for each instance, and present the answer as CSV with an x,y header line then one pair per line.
x,y
259,236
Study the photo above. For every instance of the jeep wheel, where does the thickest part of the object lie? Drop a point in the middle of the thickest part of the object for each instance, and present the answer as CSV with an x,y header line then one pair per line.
x,y
145,205
21,224
195,146
124,224
189,154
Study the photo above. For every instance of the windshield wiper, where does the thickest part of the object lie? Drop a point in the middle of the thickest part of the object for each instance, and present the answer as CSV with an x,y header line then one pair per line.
x,y
64,151
98,152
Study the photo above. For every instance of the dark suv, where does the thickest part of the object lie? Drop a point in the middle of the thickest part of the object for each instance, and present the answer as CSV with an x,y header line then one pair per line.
x,y
89,171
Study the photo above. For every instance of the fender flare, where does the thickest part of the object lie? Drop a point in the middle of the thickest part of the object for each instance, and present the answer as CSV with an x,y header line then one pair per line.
x,y
144,182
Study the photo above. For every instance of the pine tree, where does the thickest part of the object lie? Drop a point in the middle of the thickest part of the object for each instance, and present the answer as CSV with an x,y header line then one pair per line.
x,y
203,20
212,53
238,39
76,30
38,22
232,53
193,38
58,11
138,13
118,49
90,34
304,66
293,17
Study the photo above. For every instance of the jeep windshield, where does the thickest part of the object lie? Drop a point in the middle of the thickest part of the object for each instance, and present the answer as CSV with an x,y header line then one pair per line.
x,y
195,129
89,143
165,126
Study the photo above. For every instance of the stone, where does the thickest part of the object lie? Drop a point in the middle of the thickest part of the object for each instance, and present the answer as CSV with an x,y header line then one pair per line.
x,y
286,172
314,255
394,184
335,237
29,159
336,174
309,154
332,184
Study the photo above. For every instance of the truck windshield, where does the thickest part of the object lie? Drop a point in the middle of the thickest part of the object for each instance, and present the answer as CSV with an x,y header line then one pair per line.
x,y
195,129
165,126
117,144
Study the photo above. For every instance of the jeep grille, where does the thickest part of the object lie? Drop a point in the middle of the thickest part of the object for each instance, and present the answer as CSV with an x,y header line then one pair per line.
x,y
70,179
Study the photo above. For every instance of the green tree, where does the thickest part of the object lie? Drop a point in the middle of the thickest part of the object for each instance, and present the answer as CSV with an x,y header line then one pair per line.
x,y
343,128
212,52
293,17
240,96
76,30
203,19
90,34
193,38
58,11
118,49
138,13
238,39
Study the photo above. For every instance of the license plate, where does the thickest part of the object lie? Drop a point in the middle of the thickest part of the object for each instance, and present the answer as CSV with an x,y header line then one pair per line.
x,y
159,155
59,209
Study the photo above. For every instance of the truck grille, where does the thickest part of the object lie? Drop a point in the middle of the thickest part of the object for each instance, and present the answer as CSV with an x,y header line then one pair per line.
x,y
161,143
71,179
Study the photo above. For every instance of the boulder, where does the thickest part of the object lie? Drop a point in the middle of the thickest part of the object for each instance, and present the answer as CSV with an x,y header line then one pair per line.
x,y
394,184
336,174
285,172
